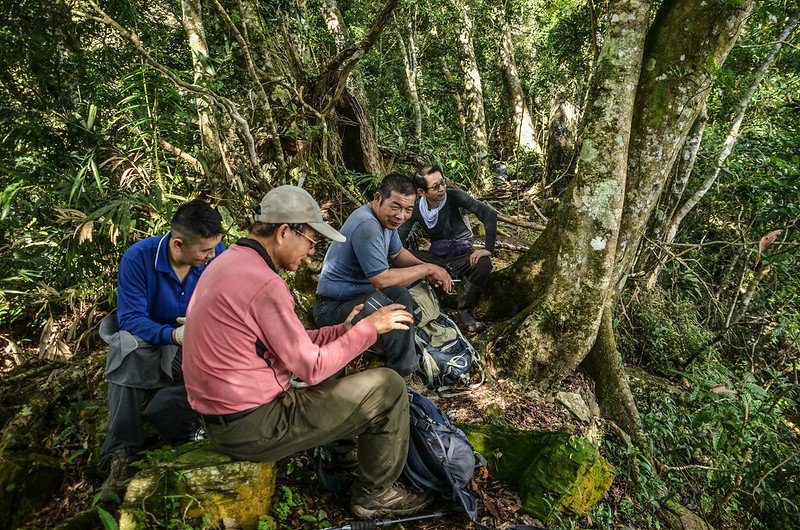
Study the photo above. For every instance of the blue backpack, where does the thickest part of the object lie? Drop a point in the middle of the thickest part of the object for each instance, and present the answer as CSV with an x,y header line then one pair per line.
x,y
440,458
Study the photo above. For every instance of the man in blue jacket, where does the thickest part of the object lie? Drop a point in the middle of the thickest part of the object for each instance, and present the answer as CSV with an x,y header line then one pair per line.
x,y
156,279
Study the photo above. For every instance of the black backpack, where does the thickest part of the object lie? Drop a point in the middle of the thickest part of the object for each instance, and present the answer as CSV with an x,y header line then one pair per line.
x,y
440,458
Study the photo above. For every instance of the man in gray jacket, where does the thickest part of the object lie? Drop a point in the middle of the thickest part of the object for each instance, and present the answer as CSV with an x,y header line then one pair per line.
x,y
442,214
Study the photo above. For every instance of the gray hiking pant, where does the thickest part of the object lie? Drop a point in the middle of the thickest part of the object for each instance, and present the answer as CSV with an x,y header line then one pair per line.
x,y
372,405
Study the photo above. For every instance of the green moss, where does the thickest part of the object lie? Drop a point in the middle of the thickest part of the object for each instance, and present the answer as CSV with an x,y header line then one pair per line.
x,y
199,485
28,482
589,151
560,472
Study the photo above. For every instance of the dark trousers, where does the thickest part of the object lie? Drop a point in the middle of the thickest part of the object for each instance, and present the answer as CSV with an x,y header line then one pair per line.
x,y
474,277
398,345
168,411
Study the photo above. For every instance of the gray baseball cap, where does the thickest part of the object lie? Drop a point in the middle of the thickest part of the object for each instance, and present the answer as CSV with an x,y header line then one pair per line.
x,y
291,204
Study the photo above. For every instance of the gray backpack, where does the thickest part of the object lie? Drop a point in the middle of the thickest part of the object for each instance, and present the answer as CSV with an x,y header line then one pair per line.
x,y
446,356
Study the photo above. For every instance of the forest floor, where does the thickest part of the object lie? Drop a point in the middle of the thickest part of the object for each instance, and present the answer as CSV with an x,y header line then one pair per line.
x,y
77,420
496,402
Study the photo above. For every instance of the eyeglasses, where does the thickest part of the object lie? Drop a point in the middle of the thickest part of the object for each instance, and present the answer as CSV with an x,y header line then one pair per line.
x,y
313,243
441,184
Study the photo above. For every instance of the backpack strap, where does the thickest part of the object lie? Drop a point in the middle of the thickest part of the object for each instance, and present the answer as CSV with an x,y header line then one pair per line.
x,y
337,484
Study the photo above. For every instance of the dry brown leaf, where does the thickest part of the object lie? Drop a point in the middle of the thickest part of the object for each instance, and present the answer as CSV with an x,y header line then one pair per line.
x,y
722,389
765,242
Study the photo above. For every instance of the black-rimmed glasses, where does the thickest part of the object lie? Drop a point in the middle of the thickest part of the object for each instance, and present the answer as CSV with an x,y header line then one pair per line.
x,y
441,184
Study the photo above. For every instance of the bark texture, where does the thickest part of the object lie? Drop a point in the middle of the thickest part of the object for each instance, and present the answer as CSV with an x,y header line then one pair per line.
x,y
521,122
329,95
409,53
561,155
475,117
213,147
688,40
558,330
650,259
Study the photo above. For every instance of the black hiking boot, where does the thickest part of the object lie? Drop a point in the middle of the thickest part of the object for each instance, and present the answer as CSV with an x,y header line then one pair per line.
x,y
396,500
468,322
120,473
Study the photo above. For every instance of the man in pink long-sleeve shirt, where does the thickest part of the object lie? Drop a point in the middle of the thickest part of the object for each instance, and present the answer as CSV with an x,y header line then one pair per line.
x,y
243,342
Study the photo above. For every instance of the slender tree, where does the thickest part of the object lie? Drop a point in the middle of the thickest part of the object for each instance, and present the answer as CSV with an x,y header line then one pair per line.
x,y
735,130
475,118
521,122
213,147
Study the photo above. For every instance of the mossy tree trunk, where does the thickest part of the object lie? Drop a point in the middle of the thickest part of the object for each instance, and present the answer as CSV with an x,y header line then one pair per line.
x,y
565,282
688,41
560,327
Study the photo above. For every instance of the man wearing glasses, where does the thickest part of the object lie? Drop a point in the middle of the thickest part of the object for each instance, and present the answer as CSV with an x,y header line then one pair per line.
x,y
442,214
244,341
373,268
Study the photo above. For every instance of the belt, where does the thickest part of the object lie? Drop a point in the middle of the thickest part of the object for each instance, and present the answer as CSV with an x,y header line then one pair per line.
x,y
222,419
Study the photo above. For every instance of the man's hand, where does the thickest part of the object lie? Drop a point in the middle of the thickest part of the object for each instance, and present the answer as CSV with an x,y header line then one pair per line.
x,y
390,317
177,333
438,277
478,254
348,323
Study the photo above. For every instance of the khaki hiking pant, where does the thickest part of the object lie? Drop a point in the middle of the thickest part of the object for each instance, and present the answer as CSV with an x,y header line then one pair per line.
x,y
372,405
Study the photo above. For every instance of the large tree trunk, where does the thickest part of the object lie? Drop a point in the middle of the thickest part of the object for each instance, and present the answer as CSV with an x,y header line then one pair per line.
x,y
477,138
218,167
686,37
651,259
521,122
565,280
735,130
557,331
693,34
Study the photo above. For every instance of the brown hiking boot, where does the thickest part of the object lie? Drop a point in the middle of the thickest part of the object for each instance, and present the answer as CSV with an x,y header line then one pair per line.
x,y
120,473
395,500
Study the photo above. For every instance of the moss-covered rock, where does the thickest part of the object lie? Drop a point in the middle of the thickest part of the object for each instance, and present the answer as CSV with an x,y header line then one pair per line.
x,y
28,481
553,471
199,487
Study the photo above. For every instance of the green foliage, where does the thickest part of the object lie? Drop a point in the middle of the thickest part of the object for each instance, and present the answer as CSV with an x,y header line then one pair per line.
x,y
661,333
292,507
108,520
724,448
